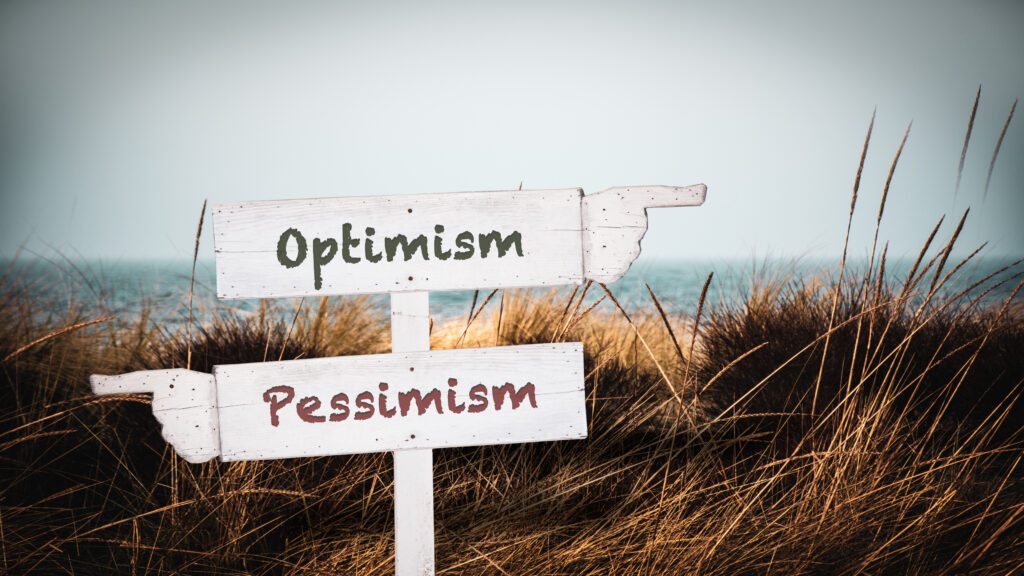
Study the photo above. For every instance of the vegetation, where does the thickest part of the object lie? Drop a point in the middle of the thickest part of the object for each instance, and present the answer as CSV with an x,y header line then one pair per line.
x,y
861,425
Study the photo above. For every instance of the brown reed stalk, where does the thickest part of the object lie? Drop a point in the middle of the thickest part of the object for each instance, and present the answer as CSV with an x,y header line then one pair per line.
x,y
871,260
564,322
679,407
192,286
693,332
474,317
946,251
576,319
967,141
568,302
885,197
909,283
842,263
995,153
908,286
321,317
10,265
54,334
728,366
265,326
636,334
562,317
290,327
985,279
964,261
880,280
501,312
668,325
472,306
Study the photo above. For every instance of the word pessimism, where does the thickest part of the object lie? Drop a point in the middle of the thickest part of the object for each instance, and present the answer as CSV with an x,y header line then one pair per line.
x,y
307,408
400,401
466,245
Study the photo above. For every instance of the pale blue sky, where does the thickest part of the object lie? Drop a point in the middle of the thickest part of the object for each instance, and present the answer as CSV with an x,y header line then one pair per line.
x,y
118,119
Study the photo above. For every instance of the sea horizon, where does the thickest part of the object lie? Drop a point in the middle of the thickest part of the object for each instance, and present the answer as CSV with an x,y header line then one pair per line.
x,y
161,286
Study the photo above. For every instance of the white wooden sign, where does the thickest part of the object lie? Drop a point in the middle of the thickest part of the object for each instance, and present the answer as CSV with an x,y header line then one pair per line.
x,y
371,403
412,400
456,241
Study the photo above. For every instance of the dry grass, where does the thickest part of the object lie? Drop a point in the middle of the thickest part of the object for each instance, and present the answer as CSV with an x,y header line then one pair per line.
x,y
908,464
742,445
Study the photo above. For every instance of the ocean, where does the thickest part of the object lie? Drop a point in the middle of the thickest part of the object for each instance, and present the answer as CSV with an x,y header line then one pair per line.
x,y
126,288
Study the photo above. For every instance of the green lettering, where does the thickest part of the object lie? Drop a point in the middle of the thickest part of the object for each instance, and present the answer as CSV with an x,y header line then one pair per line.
x,y
370,256
348,242
391,244
464,241
282,248
504,244
438,253
323,253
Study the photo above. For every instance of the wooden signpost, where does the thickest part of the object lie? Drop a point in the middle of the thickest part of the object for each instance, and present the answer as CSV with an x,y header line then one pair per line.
x,y
413,399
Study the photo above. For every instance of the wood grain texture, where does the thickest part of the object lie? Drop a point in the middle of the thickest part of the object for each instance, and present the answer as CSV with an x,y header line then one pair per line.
x,y
184,402
246,237
615,220
554,370
414,469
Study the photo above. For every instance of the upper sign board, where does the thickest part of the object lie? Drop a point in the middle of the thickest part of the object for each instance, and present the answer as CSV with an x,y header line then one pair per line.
x,y
432,242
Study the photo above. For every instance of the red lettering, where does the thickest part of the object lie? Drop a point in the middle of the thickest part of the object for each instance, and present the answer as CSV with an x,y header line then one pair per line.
x,y
452,407
277,402
422,402
478,394
367,406
517,396
306,407
339,402
383,402
364,401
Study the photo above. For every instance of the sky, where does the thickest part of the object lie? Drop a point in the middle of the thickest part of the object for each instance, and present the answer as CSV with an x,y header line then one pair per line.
x,y
118,119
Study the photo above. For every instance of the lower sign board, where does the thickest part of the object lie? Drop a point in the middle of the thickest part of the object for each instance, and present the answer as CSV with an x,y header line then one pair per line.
x,y
369,403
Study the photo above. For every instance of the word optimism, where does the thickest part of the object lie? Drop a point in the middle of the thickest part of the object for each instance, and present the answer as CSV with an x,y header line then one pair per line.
x,y
308,408
324,250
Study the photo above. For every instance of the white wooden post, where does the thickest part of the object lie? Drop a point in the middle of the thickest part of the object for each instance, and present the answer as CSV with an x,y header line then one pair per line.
x,y
414,469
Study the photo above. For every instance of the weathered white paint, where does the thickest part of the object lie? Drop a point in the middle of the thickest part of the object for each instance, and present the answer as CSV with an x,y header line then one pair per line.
x,y
565,238
615,220
225,413
184,402
247,433
414,469
246,236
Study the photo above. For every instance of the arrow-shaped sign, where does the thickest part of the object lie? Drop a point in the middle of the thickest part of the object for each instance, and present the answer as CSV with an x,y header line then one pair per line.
x,y
370,403
432,242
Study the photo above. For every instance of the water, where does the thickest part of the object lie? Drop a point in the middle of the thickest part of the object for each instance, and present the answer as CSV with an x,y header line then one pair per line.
x,y
126,288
